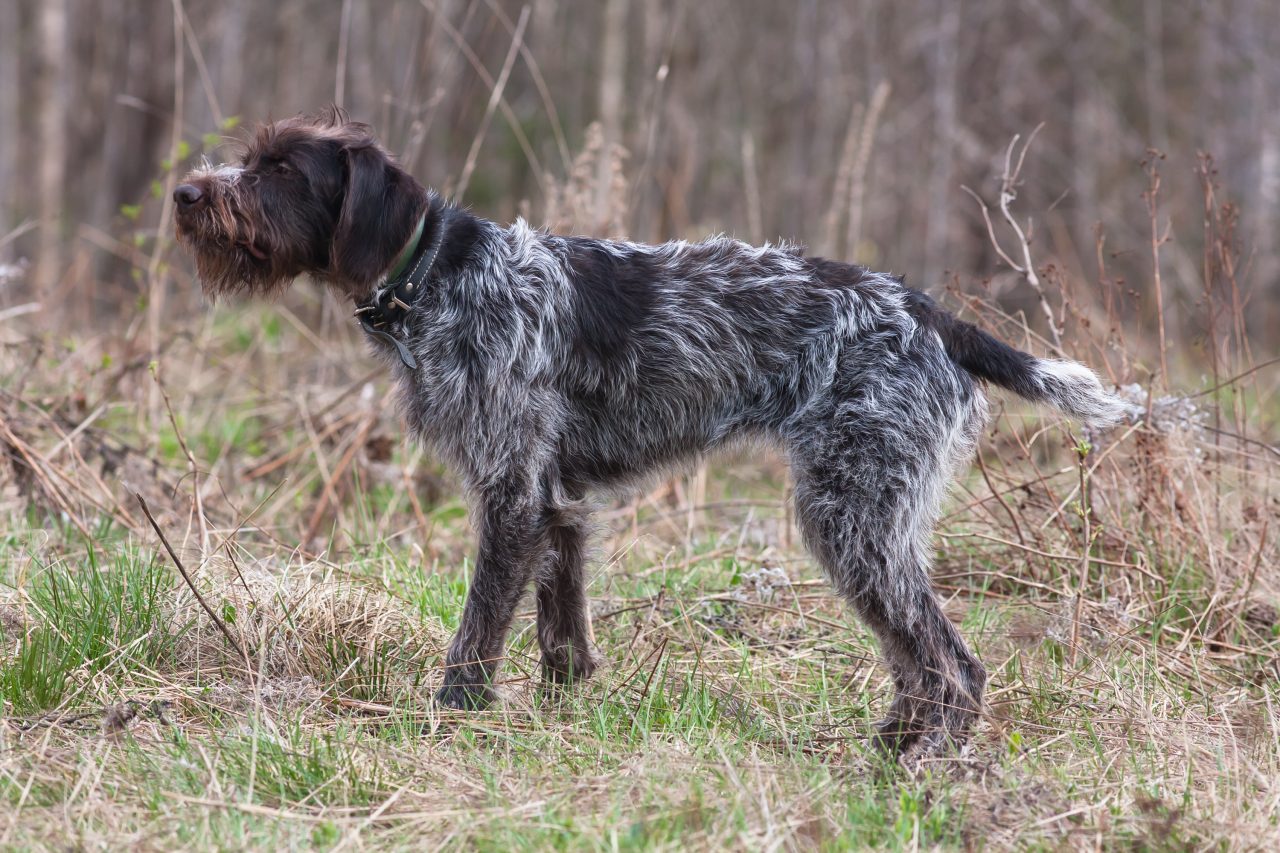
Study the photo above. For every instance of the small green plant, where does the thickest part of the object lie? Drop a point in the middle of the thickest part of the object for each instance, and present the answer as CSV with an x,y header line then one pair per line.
x,y
91,618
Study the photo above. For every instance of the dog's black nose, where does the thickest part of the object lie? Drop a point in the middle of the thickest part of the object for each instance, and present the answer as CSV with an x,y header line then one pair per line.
x,y
187,195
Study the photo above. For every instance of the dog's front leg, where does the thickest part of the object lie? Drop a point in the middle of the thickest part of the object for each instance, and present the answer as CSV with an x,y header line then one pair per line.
x,y
511,523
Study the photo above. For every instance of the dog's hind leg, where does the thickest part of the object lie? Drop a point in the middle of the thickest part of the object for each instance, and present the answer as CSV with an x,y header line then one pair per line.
x,y
867,487
564,618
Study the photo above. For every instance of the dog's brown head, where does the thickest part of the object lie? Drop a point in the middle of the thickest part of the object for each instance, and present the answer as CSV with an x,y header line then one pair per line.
x,y
313,194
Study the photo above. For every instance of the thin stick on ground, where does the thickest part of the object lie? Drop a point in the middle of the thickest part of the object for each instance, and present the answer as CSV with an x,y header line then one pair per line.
x,y
198,501
1082,452
182,570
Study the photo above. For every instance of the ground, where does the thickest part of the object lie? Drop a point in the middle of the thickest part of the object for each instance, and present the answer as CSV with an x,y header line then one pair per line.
x,y
1132,636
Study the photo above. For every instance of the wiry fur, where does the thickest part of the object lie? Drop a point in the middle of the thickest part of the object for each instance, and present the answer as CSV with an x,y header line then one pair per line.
x,y
553,367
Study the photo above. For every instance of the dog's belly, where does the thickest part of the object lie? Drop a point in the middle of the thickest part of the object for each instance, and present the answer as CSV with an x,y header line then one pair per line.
x,y
615,440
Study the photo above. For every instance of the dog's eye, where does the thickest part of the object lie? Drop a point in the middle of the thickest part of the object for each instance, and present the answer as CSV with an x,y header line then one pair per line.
x,y
270,166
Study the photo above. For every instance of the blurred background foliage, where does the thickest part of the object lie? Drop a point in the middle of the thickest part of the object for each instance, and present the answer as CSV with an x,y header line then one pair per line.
x,y
847,125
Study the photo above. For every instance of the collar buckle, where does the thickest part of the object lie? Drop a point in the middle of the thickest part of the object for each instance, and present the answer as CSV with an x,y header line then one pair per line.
x,y
382,314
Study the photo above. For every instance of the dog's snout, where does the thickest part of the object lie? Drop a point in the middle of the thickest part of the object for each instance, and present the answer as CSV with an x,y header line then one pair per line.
x,y
187,195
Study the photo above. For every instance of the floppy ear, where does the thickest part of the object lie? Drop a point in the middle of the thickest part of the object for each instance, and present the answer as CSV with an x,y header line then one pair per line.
x,y
380,208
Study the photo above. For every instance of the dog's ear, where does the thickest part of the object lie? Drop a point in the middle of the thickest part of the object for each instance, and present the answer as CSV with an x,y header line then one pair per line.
x,y
380,208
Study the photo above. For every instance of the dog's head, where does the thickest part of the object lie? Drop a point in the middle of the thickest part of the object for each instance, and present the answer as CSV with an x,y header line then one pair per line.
x,y
313,194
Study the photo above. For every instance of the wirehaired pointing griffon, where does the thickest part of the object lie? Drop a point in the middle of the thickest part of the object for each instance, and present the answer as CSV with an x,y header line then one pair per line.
x,y
546,368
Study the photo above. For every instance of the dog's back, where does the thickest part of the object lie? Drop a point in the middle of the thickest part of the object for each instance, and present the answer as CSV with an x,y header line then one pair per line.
x,y
659,353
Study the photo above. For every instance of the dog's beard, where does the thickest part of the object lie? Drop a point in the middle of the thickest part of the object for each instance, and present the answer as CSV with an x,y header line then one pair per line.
x,y
224,272
230,257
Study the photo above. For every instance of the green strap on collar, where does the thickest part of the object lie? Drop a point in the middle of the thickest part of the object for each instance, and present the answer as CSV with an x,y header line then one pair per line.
x,y
406,254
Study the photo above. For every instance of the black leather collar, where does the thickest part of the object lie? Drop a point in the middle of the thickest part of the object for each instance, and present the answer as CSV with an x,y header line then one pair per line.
x,y
382,314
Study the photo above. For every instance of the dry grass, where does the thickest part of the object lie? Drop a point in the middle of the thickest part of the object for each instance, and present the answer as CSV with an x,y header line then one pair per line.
x,y
1121,588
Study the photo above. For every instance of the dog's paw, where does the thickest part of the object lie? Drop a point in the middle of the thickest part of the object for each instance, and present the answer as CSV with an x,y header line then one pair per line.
x,y
939,737
934,749
466,697
894,735
566,665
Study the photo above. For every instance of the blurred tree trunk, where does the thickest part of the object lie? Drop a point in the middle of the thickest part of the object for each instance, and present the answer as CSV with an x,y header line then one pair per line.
x,y
51,104
945,73
1262,206
86,89
10,39
1153,51
427,153
231,60
1086,122
114,145
1212,137
126,139
653,46
612,85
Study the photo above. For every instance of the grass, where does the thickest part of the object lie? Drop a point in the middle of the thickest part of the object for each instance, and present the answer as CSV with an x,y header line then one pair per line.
x,y
1134,700
89,617
732,712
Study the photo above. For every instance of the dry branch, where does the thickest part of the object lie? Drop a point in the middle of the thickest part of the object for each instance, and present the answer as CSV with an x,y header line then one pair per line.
x,y
182,570
1010,180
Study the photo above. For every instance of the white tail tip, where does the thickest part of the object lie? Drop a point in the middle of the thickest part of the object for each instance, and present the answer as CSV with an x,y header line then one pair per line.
x,y
1076,390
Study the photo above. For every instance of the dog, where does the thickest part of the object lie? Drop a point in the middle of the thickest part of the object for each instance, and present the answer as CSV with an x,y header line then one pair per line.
x,y
546,369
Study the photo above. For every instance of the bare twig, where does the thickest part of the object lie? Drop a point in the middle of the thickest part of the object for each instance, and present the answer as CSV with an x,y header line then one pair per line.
x,y
1010,179
156,279
751,185
1152,167
858,181
330,493
1082,452
344,41
182,570
495,97
844,172
29,225
1234,379
14,444
191,460
513,121
206,81
1013,518
540,83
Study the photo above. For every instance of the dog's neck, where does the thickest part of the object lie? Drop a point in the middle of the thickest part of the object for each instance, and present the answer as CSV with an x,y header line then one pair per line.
x,y
441,245
460,231
382,314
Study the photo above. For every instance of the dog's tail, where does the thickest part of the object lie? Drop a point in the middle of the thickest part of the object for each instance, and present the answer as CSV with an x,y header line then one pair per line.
x,y
1066,385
